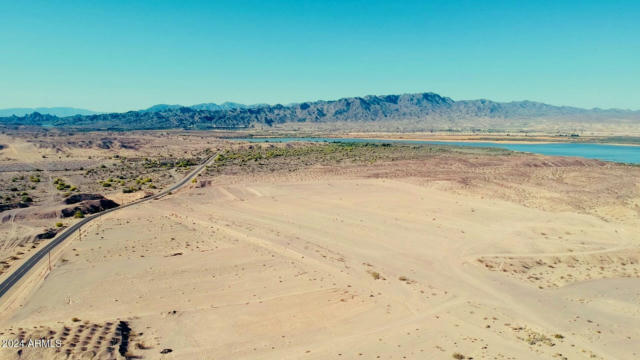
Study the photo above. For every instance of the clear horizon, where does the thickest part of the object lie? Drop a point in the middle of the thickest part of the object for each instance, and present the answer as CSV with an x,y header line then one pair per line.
x,y
123,56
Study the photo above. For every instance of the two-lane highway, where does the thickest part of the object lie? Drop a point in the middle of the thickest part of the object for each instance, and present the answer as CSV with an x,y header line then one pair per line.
x,y
10,281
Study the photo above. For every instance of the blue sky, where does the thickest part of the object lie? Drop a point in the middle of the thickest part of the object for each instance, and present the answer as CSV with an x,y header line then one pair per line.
x,y
123,55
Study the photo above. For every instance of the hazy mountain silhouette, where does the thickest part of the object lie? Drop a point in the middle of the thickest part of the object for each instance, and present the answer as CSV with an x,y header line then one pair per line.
x,y
423,111
205,106
56,111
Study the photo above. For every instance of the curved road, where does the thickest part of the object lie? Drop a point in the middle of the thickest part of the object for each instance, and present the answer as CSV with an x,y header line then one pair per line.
x,y
9,282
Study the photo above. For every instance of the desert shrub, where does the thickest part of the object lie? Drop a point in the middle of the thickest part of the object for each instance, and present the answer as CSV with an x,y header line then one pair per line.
x,y
78,214
457,356
534,338
143,346
185,163
58,224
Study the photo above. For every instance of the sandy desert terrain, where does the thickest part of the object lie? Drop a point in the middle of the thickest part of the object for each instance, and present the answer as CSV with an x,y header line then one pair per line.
x,y
445,256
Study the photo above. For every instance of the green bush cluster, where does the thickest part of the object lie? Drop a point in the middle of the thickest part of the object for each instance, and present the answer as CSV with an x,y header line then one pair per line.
x,y
185,163
61,185
143,181
130,189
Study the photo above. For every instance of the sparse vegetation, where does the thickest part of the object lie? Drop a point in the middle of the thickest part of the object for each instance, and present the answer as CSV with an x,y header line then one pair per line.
x,y
143,346
130,189
458,356
534,338
143,181
62,185
185,163
78,214
269,157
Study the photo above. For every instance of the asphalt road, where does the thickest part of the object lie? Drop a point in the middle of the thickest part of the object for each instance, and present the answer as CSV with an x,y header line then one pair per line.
x,y
9,282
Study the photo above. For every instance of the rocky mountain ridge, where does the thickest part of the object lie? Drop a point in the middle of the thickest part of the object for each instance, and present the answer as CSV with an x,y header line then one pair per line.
x,y
422,111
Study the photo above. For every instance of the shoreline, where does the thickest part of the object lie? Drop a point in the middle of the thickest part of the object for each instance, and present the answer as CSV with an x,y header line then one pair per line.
x,y
427,140
498,139
625,154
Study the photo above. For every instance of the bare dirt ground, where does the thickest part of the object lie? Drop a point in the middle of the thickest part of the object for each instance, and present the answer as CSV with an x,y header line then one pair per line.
x,y
354,252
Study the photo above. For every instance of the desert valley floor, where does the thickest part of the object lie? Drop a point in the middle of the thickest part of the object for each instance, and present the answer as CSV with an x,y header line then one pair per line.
x,y
401,260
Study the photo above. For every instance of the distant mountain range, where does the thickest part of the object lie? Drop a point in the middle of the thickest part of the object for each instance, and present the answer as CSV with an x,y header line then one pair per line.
x,y
56,111
410,112
206,106
70,111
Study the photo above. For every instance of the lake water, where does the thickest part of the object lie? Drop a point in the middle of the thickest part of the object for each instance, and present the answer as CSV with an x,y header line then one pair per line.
x,y
607,152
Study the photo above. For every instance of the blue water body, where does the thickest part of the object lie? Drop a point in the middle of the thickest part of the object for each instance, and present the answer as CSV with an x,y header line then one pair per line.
x,y
607,152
